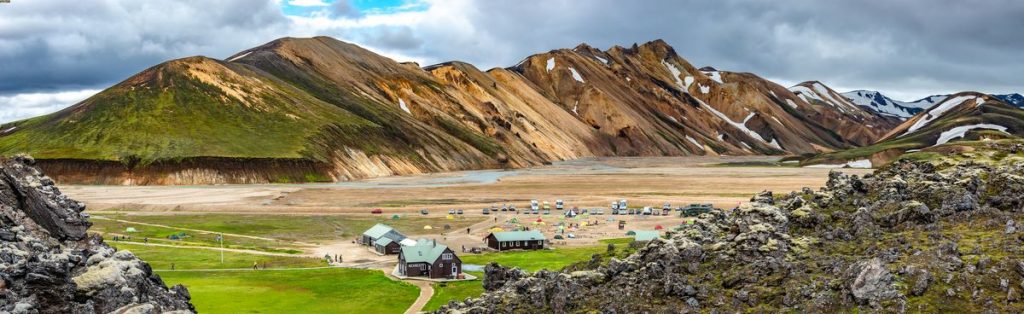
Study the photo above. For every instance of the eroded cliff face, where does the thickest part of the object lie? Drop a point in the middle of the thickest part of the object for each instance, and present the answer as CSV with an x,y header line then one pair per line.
x,y
51,265
912,237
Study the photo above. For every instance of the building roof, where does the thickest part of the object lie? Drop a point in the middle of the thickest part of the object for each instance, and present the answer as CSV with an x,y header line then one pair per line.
x,y
377,231
519,236
646,235
383,241
425,251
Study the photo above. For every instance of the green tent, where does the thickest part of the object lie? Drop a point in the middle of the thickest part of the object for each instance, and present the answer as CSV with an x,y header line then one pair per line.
x,y
394,217
630,233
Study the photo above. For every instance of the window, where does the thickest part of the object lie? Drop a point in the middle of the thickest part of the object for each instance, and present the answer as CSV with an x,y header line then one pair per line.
x,y
446,256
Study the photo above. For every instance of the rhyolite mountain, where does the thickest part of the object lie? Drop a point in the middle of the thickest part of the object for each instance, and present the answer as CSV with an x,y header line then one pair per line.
x,y
318,109
965,116
883,104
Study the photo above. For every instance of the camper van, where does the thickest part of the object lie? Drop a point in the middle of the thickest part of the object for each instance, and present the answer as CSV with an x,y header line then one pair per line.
x,y
547,206
648,210
533,205
559,205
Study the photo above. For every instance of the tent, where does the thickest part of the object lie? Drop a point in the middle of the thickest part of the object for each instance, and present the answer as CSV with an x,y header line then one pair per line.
x,y
450,217
514,220
394,217
427,227
540,220
496,229
559,237
630,233
447,227
130,229
658,227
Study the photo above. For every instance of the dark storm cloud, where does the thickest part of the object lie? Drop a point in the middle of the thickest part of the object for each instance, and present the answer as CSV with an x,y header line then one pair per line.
x,y
57,45
904,48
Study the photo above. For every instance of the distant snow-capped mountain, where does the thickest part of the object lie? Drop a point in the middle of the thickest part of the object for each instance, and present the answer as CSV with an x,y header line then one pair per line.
x,y
1013,99
885,105
906,109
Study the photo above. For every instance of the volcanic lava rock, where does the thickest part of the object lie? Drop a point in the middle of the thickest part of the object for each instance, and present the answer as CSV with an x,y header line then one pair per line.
x,y
50,265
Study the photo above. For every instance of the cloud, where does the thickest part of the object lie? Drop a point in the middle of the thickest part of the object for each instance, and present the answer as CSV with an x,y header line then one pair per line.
x,y
308,3
27,105
907,49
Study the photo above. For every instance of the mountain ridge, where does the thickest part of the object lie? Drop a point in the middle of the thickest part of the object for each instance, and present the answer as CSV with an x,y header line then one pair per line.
x,y
336,111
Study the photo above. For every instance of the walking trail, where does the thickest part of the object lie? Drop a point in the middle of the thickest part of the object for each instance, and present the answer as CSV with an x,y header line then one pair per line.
x,y
426,292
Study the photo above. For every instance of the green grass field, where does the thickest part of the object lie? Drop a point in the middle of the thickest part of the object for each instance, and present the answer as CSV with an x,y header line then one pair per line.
x,y
160,258
284,289
334,290
455,291
303,228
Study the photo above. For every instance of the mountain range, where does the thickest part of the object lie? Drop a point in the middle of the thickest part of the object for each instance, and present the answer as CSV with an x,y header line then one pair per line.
x,y
319,109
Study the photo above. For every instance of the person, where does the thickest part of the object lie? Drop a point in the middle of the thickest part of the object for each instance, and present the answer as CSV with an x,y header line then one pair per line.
x,y
172,266
467,230
146,239
463,248
339,258
255,265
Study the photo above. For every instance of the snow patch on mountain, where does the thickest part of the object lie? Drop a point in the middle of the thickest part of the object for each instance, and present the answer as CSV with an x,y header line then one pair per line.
x,y
742,126
672,69
551,64
576,75
961,131
715,76
694,141
401,104
937,112
239,57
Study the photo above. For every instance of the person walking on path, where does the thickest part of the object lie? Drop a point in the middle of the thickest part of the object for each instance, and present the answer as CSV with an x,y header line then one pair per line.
x,y
255,266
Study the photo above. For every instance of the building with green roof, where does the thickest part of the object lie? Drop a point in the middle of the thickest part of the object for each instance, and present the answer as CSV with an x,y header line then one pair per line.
x,y
428,259
513,240
383,239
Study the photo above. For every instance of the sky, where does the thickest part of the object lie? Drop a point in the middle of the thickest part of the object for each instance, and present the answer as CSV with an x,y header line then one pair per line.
x,y
55,52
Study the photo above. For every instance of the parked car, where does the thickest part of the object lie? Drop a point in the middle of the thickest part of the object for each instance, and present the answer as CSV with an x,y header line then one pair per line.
x,y
376,211
459,212
487,211
451,211
547,212
559,204
631,211
536,211
648,210
424,211
512,208
597,211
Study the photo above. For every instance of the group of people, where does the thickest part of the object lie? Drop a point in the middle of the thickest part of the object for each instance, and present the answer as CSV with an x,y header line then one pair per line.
x,y
336,259
127,238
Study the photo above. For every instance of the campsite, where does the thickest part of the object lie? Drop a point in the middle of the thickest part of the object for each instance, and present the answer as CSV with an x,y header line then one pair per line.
x,y
305,241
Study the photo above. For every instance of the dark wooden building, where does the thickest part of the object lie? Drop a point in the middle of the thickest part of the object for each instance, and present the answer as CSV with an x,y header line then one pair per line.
x,y
387,246
428,259
384,239
516,240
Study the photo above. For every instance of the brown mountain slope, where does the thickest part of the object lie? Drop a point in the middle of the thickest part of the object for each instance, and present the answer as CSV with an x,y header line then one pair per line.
x,y
320,109
855,123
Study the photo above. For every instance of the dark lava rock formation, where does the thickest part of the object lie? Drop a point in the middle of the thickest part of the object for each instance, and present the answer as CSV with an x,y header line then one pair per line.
x,y
49,264
912,237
